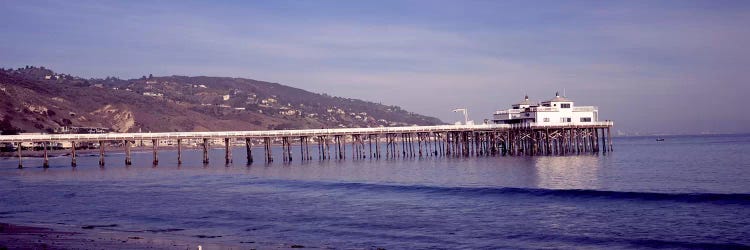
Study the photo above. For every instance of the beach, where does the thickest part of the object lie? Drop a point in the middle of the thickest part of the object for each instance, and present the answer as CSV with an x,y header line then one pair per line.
x,y
14,236
31,237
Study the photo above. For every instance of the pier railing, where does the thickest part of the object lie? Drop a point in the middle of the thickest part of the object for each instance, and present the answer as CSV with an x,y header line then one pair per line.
x,y
290,133
537,125
246,134
442,140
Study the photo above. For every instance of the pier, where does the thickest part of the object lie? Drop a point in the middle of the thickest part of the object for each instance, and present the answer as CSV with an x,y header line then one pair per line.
x,y
524,139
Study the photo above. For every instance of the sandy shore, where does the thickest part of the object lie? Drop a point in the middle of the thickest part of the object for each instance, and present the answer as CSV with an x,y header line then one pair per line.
x,y
34,237
28,237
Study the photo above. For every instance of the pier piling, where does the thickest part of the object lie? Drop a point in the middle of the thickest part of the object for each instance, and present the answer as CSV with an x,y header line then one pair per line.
x,y
20,161
179,152
205,151
46,158
155,144
101,154
267,143
227,151
128,160
73,154
249,150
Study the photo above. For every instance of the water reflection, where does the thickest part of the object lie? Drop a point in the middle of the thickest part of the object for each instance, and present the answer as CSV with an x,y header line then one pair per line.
x,y
557,172
568,172
694,167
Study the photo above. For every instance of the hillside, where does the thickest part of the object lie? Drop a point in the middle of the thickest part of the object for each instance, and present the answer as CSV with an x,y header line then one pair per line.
x,y
36,99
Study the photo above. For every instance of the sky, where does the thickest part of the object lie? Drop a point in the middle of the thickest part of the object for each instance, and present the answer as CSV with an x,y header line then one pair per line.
x,y
654,67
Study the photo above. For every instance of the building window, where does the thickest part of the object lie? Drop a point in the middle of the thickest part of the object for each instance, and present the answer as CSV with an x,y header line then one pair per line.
x,y
546,119
565,119
585,119
565,105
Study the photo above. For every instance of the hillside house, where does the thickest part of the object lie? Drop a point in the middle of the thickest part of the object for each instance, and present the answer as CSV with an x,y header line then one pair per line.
x,y
153,94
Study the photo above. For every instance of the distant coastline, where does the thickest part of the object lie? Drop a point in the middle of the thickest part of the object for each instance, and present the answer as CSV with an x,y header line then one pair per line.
x,y
677,135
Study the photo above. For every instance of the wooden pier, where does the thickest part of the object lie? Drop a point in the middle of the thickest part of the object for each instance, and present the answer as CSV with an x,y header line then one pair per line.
x,y
373,143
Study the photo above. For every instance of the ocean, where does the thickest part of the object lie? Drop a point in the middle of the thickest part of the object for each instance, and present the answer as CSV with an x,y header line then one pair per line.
x,y
683,192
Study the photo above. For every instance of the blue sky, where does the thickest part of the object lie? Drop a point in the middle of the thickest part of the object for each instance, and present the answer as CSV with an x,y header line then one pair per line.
x,y
652,66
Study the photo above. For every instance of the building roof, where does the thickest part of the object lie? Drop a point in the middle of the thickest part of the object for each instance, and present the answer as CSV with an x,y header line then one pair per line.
x,y
525,101
558,98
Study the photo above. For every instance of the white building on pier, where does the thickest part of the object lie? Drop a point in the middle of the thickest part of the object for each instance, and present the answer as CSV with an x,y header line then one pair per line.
x,y
557,111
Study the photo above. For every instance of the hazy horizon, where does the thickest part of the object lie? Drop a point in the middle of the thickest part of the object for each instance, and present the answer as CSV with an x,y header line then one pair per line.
x,y
670,67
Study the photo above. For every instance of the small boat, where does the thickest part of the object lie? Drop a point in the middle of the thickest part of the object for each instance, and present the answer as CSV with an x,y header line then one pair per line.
x,y
659,139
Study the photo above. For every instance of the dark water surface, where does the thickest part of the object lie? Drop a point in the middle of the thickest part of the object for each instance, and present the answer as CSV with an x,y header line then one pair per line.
x,y
685,192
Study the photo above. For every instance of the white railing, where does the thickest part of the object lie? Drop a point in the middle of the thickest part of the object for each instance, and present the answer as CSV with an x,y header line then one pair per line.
x,y
585,109
239,134
507,112
543,109
536,125
283,133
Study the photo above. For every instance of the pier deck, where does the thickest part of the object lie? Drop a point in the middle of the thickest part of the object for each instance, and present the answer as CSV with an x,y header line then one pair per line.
x,y
442,140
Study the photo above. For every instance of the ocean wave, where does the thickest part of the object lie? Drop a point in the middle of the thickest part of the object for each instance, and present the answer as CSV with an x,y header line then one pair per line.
x,y
638,243
731,198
